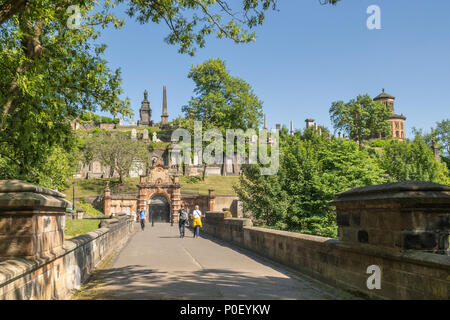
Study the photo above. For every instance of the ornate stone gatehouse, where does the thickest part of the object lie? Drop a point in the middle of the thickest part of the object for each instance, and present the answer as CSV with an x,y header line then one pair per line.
x,y
159,194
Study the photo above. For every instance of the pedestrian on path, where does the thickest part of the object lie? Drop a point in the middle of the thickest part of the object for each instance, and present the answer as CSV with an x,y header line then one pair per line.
x,y
183,220
197,216
142,215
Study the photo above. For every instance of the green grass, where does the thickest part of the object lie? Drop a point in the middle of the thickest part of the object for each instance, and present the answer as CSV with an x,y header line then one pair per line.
x,y
222,185
96,187
77,227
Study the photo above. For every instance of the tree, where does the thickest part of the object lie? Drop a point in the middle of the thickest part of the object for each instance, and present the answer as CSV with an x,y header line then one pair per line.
x,y
222,100
443,136
312,171
412,161
117,151
51,73
361,119
188,21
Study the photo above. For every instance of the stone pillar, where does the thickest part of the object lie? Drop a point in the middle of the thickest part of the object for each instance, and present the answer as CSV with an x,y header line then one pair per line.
x,y
211,200
107,201
435,150
176,199
309,123
406,215
32,220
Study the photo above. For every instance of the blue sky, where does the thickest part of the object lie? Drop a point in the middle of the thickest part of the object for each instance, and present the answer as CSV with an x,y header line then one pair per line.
x,y
305,57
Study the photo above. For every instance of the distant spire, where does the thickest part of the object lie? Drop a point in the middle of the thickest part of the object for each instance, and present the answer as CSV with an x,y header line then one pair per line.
x,y
145,95
265,121
164,117
164,101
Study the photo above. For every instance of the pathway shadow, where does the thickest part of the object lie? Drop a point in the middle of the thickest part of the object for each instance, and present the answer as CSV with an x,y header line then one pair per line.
x,y
138,282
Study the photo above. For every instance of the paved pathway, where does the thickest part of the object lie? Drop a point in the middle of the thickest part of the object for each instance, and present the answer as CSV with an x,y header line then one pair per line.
x,y
157,264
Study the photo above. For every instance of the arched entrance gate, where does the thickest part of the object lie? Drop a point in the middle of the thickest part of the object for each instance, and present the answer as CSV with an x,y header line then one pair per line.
x,y
159,209
159,193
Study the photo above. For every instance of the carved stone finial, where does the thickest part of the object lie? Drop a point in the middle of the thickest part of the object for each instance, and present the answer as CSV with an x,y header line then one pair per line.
x,y
146,95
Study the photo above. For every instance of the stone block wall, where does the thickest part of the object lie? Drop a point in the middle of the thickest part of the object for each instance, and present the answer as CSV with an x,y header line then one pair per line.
x,y
59,276
36,262
30,234
406,215
404,275
32,220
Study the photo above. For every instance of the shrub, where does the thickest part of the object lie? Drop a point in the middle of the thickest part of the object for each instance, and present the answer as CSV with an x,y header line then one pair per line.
x,y
193,180
89,209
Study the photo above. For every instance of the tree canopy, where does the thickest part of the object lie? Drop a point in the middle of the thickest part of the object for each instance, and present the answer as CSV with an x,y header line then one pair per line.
x,y
313,169
361,118
52,74
117,151
188,21
222,100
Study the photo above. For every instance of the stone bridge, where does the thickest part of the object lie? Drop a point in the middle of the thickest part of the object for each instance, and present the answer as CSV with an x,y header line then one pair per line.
x,y
393,244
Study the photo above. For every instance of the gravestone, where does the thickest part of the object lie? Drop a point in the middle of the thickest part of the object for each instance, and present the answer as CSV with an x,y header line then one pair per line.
x,y
155,137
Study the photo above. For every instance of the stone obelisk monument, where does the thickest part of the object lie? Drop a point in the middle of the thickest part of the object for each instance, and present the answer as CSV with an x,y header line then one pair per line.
x,y
164,117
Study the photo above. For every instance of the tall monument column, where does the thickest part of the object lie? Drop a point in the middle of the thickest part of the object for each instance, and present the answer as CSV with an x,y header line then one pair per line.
x,y
164,117
145,112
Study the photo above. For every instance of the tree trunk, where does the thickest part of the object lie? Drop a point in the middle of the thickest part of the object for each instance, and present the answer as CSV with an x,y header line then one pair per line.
x,y
33,50
10,8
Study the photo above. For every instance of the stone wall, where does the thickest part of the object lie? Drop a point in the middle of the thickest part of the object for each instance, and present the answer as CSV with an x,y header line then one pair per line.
x,y
124,203
404,275
227,202
57,276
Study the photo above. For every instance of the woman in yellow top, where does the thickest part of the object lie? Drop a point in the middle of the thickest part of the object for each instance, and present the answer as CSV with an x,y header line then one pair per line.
x,y
197,223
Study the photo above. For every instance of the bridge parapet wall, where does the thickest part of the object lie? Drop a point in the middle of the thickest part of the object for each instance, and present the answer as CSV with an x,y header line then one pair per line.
x,y
36,261
405,273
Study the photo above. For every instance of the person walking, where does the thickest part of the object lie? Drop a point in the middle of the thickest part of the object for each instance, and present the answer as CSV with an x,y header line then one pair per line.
x,y
183,220
142,215
197,216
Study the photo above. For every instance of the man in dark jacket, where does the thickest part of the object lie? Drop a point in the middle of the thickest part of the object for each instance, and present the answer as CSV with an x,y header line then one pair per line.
x,y
183,219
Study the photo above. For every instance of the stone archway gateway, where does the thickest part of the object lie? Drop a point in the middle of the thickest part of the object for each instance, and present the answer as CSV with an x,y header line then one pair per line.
x,y
160,192
161,185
